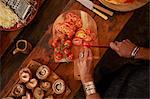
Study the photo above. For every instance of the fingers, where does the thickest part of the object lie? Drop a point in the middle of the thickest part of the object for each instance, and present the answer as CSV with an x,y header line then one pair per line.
x,y
85,53
90,55
114,46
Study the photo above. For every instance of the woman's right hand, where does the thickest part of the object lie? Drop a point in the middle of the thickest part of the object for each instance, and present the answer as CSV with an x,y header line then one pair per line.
x,y
123,48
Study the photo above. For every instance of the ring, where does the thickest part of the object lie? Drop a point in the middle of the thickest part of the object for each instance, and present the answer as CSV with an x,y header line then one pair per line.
x,y
81,55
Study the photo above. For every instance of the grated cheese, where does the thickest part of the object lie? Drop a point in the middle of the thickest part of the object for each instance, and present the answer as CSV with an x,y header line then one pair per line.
x,y
7,17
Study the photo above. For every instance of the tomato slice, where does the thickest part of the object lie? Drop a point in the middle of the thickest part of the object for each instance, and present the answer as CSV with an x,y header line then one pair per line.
x,y
70,56
67,51
55,42
59,56
77,41
57,50
68,44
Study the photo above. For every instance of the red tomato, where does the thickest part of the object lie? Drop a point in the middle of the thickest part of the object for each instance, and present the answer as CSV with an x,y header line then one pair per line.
x,y
86,44
55,42
79,23
70,56
68,44
57,50
88,31
67,51
77,41
59,56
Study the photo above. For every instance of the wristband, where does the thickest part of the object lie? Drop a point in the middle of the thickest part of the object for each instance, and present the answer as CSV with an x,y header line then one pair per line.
x,y
134,51
89,88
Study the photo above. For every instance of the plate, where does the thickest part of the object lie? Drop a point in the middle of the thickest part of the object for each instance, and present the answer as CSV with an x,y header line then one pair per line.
x,y
125,7
23,24
87,22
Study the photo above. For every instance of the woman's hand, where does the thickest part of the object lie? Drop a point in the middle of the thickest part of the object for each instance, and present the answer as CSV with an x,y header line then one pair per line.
x,y
123,48
85,64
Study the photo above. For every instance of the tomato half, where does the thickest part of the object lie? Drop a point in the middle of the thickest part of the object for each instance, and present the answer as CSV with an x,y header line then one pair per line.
x,y
59,56
55,42
67,51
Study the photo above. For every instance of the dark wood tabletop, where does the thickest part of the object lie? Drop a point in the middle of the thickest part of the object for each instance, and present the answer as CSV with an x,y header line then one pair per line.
x,y
39,32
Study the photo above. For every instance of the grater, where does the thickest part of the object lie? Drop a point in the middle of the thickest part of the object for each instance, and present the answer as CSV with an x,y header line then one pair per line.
x,y
22,8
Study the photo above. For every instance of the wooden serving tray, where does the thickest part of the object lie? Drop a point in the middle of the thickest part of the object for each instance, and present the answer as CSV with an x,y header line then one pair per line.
x,y
33,66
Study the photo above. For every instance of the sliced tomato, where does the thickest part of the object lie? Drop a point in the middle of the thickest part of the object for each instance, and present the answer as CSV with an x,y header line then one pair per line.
x,y
77,41
59,56
80,34
55,42
68,44
67,51
87,44
57,50
78,23
70,56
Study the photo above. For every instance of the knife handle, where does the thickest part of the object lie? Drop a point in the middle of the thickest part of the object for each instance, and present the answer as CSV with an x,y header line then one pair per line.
x,y
103,10
100,14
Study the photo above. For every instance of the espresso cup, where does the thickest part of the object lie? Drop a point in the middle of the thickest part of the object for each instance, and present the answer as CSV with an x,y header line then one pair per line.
x,y
22,46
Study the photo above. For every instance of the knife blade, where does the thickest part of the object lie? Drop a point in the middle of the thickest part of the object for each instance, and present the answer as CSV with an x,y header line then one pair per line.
x,y
88,4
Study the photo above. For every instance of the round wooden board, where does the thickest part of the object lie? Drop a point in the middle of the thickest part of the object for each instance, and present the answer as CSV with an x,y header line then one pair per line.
x,y
20,25
88,23
125,7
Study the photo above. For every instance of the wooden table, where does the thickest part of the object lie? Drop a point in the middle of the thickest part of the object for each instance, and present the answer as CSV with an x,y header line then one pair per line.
x,y
107,31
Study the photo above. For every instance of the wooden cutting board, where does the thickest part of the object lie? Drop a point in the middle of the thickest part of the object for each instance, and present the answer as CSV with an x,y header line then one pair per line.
x,y
88,22
33,66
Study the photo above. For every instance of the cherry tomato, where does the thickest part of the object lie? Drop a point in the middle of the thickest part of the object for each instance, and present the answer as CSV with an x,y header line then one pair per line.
x,y
70,56
57,50
67,51
86,44
68,44
55,42
77,41
59,56
79,23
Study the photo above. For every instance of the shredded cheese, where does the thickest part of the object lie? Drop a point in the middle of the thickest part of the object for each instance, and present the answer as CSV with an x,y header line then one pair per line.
x,y
7,17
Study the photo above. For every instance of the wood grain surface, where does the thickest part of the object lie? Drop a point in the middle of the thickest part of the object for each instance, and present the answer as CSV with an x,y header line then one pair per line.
x,y
107,32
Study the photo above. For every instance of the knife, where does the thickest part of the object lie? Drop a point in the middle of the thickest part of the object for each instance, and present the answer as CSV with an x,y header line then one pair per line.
x,y
90,6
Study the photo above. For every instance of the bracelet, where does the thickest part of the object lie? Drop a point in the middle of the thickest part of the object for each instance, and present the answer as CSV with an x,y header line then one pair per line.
x,y
134,51
89,88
